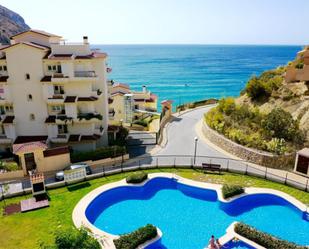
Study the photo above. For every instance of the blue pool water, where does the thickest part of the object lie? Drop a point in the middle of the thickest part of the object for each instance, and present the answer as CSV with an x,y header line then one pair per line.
x,y
188,216
210,71
237,245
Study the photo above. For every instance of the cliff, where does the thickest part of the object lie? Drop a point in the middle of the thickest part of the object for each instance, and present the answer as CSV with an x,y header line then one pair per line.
x,y
10,24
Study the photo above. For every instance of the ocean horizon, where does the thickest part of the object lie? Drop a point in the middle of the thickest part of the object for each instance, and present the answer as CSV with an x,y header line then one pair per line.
x,y
186,73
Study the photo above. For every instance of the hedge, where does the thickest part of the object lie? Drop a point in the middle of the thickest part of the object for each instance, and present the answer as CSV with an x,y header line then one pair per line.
x,y
264,239
137,178
231,190
136,238
100,153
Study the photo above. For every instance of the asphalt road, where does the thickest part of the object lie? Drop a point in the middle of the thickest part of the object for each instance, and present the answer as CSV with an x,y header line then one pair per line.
x,y
181,133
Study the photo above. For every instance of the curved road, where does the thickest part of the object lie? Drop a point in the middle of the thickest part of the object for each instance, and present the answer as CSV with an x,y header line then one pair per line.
x,y
181,133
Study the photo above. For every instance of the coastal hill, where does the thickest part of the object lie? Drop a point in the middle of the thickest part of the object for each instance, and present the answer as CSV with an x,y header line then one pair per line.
x,y
11,23
272,112
285,90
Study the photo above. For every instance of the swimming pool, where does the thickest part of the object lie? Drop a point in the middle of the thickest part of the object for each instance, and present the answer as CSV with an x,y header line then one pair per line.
x,y
188,215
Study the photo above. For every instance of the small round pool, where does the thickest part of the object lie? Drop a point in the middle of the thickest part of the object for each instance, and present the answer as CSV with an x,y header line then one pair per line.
x,y
188,215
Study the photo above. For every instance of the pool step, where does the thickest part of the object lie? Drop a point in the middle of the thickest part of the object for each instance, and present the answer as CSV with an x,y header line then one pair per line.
x,y
306,216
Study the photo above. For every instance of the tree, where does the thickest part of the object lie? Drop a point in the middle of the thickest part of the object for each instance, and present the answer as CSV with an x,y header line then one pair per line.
x,y
280,124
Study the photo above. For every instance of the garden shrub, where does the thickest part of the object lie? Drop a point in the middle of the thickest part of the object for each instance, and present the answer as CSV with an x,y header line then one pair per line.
x,y
264,239
72,238
141,122
100,153
137,177
231,190
136,238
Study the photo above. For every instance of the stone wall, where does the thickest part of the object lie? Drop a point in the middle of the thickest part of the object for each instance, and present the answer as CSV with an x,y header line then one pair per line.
x,y
248,154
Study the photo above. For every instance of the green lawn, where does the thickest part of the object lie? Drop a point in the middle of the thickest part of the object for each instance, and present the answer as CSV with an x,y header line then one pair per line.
x,y
23,231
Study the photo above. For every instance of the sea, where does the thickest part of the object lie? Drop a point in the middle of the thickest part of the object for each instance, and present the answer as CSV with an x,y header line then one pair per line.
x,y
187,73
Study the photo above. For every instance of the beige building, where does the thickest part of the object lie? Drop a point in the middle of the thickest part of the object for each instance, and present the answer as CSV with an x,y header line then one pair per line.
x,y
52,91
126,105
299,69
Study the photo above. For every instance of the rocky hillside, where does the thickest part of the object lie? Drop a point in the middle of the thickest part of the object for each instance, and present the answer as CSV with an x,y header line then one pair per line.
x,y
271,90
10,24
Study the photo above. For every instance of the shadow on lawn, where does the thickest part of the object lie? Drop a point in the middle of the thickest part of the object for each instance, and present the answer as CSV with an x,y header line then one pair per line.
x,y
78,186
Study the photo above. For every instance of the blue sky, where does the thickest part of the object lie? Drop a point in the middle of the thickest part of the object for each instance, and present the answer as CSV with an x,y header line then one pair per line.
x,y
170,21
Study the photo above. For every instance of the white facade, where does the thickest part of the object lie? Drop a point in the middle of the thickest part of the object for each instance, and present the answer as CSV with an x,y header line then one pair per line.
x,y
53,89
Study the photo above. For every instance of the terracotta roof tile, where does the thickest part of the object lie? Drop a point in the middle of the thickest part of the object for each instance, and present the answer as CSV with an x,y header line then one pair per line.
x,y
4,78
50,119
74,138
29,147
8,120
46,79
87,98
70,99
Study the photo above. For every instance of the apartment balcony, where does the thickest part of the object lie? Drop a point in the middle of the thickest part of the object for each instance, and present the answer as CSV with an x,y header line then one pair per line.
x,y
56,99
88,117
60,139
99,130
5,140
63,119
84,74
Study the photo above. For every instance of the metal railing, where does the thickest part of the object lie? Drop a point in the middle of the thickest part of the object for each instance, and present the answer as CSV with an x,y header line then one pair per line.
x,y
21,187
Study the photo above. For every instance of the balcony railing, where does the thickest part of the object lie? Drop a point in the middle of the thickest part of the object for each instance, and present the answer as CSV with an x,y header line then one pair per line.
x,y
89,116
86,74
61,138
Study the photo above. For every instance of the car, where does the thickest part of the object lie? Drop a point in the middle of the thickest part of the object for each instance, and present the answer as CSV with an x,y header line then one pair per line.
x,y
60,174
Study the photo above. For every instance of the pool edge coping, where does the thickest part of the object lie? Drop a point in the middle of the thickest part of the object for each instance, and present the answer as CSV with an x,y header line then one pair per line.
x,y
79,213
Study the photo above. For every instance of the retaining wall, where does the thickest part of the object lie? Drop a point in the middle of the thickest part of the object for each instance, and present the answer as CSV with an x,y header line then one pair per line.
x,y
248,154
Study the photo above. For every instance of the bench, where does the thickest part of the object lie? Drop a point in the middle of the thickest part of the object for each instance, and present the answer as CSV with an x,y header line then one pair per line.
x,y
211,167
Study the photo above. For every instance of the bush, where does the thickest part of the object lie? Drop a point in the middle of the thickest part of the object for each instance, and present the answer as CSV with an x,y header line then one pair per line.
x,y
137,177
72,238
9,166
277,146
264,239
143,123
136,238
299,65
231,190
100,153
227,106
257,88
280,124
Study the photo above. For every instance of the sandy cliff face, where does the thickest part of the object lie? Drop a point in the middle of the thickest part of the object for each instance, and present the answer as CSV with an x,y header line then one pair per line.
x,y
10,24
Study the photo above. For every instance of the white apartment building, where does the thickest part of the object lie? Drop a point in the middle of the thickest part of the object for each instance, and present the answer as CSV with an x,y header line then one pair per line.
x,y
52,91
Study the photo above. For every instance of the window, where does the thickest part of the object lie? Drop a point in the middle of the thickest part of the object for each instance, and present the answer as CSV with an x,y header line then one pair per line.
x,y
58,89
57,108
54,68
32,117
9,108
29,97
5,68
1,69
49,68
62,129
27,76
2,111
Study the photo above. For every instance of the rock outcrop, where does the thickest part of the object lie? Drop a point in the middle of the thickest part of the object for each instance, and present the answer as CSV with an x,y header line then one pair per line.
x,y
10,24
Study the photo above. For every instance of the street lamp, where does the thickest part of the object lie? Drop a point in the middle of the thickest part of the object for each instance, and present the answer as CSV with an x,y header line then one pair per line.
x,y
195,148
